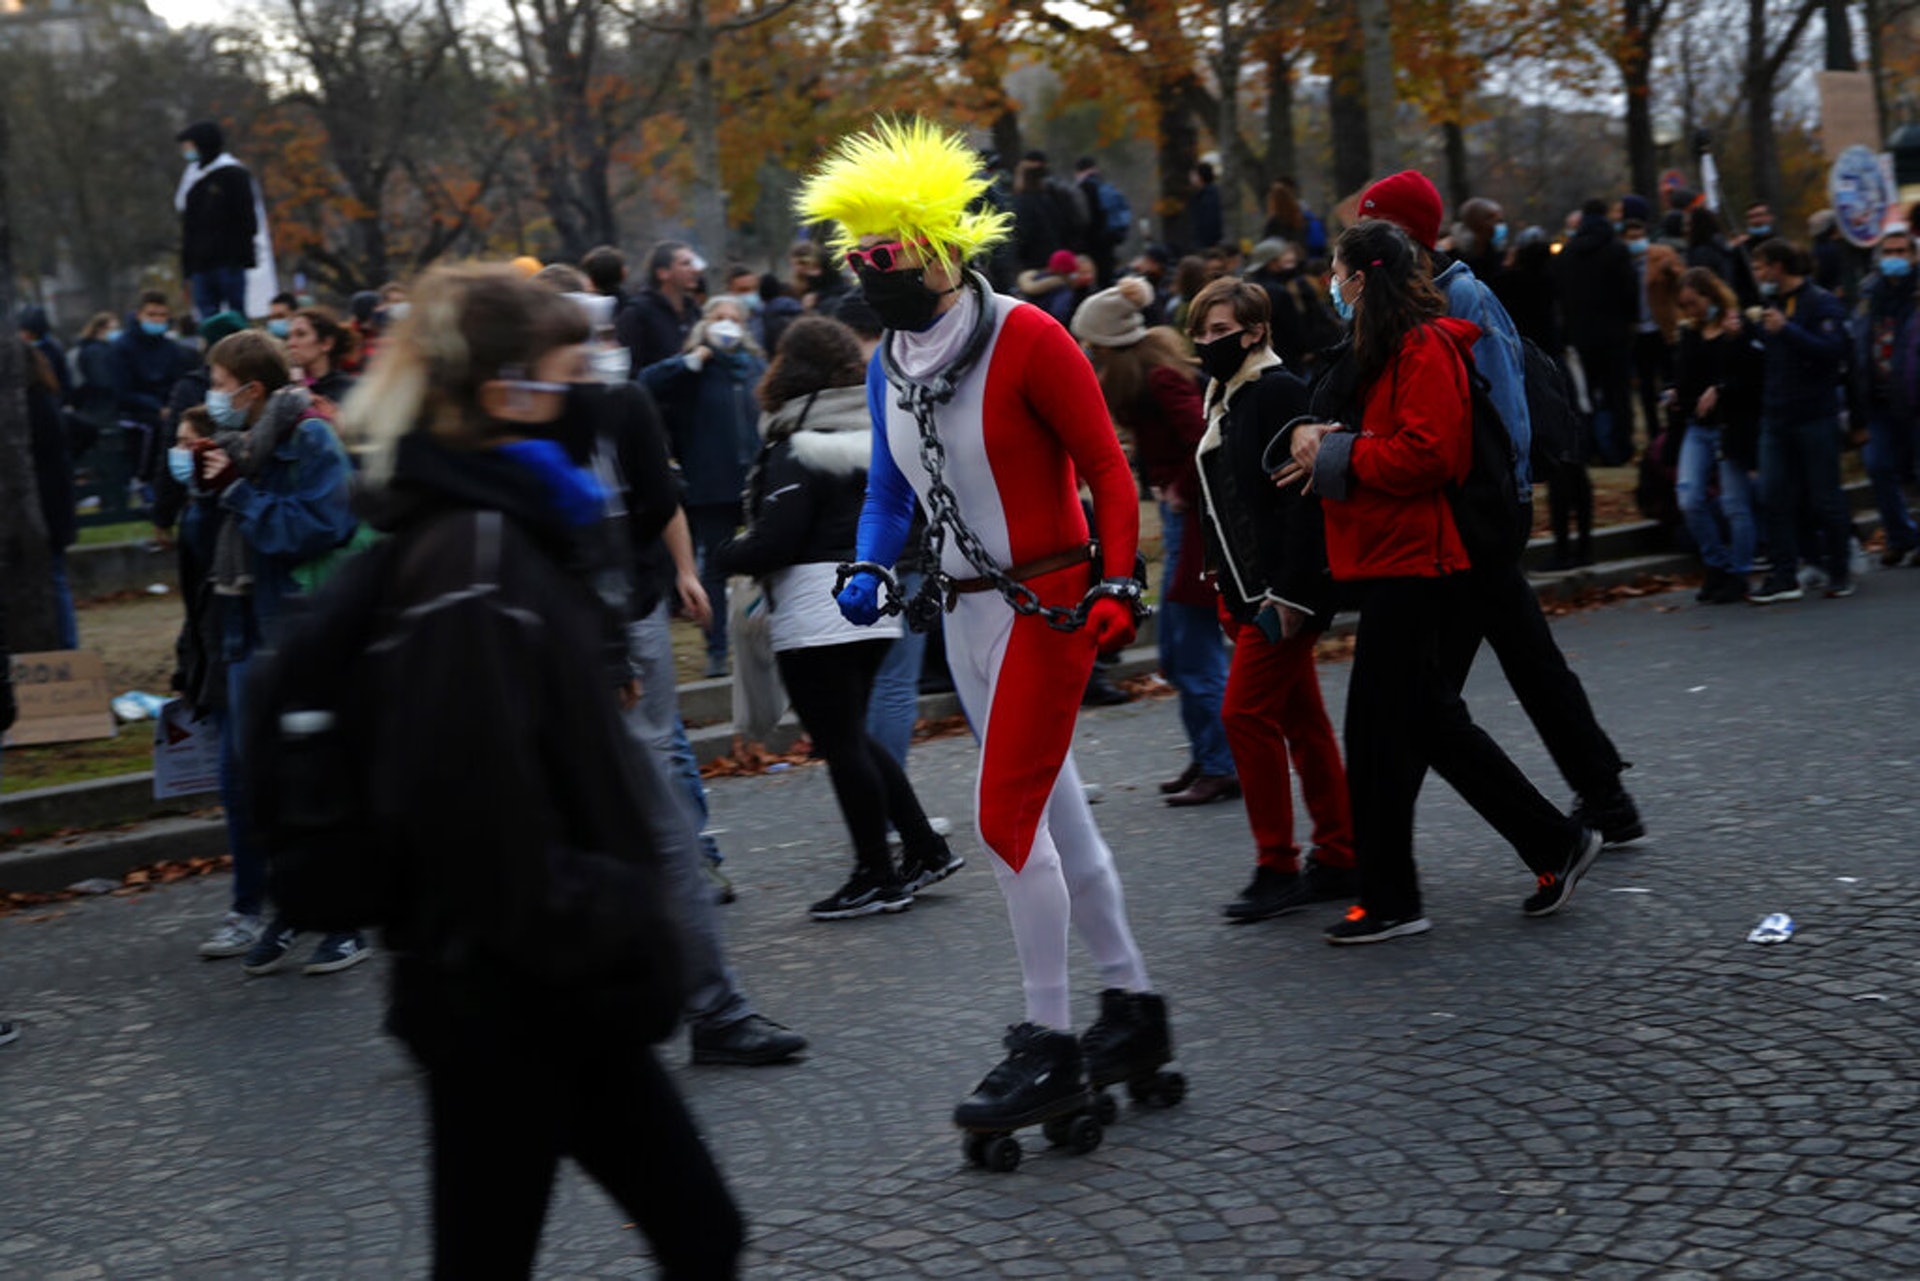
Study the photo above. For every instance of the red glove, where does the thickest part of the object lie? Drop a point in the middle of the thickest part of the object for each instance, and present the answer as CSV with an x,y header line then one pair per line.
x,y
1112,625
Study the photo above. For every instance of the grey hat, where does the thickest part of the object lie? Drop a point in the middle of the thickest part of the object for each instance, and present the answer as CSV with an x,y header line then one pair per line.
x,y
1111,318
1265,252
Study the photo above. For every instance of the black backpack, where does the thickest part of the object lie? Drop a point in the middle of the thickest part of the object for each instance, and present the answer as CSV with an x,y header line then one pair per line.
x,y
1486,506
1554,410
309,719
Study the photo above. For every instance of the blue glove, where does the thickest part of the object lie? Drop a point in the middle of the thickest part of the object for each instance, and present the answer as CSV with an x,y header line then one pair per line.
x,y
859,600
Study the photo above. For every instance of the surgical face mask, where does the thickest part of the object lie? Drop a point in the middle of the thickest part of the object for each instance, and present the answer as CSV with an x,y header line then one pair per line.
x,y
180,464
725,335
1894,268
221,409
190,154
279,328
1759,230
1769,288
1500,235
749,302
611,364
1223,357
112,335
157,328
900,298
1636,247
1341,307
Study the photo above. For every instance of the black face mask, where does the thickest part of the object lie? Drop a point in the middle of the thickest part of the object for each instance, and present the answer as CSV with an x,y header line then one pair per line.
x,y
1223,357
900,298
578,426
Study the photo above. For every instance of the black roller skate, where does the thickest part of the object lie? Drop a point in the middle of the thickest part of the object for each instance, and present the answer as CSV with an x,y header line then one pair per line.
x,y
1130,1042
1039,1083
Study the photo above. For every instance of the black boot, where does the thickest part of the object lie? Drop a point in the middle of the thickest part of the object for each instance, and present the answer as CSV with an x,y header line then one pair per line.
x,y
1129,1039
1040,1077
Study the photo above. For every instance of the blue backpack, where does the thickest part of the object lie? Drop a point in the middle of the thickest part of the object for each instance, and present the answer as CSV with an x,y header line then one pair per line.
x,y
1115,214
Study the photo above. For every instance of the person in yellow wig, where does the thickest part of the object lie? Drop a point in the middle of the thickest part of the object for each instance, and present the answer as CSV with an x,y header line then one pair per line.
x,y
986,411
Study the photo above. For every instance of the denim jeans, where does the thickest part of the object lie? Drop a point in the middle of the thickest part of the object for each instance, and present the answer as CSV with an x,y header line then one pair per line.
x,y
63,604
1804,457
1699,462
1892,448
676,807
895,703
249,864
219,290
1193,656
712,524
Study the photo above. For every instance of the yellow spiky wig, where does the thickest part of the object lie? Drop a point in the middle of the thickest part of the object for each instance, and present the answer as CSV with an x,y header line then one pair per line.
x,y
911,178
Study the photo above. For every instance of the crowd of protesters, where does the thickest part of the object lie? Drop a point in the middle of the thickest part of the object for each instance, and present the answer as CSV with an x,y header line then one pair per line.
x,y
716,424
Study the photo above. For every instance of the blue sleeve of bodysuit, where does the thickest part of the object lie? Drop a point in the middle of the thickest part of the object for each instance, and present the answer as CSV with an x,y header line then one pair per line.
x,y
888,512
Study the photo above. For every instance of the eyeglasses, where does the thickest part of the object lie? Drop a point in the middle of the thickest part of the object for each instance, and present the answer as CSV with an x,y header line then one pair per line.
x,y
886,257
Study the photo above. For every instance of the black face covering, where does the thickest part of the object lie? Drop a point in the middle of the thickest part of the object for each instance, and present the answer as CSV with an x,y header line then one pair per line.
x,y
900,298
1223,357
578,425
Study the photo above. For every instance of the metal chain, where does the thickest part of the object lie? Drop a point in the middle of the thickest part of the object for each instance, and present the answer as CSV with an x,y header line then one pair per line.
x,y
943,515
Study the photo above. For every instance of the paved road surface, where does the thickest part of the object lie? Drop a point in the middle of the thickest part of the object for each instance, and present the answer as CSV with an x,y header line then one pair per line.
x,y
1627,1090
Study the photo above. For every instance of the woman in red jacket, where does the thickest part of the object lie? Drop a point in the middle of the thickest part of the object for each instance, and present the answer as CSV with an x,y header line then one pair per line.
x,y
1382,476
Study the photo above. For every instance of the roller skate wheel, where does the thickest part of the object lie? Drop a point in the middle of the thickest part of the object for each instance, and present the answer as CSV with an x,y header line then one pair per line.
x,y
1173,1088
975,1148
1003,1154
1106,1108
1058,1131
1084,1133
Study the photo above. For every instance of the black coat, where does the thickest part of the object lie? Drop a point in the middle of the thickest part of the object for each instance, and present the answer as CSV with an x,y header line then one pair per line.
x,y
1599,291
52,466
804,497
1269,540
652,329
220,221
622,426
531,823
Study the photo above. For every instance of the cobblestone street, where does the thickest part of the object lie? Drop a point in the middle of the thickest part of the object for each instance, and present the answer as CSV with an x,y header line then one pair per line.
x,y
1629,1089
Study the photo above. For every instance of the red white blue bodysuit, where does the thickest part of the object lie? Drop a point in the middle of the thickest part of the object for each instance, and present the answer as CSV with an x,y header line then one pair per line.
x,y
1026,423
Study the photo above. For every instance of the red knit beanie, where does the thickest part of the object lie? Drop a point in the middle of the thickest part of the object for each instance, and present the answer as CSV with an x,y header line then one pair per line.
x,y
1408,200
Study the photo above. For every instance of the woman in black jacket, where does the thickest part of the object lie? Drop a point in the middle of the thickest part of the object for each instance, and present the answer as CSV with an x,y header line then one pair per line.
x,y
1717,391
533,950
802,512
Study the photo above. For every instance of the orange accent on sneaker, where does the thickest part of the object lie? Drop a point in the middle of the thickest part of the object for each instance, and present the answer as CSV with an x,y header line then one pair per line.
x,y
1356,913
1547,879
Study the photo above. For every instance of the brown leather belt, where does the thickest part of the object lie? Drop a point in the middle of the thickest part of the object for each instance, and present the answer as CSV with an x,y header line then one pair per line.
x,y
1081,555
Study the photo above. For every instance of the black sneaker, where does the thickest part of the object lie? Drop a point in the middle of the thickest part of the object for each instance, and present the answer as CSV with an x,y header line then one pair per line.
x,y
1358,927
1612,814
862,895
750,1042
338,952
1710,585
1271,893
1556,888
1041,1073
1777,588
917,871
1732,591
270,951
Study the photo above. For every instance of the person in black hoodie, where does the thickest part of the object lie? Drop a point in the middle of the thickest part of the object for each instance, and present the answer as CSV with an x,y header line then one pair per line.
x,y
802,508
219,220
1600,301
654,323
533,957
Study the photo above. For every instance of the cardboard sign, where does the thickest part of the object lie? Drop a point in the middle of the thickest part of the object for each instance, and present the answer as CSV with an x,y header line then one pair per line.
x,y
1848,117
62,696
186,752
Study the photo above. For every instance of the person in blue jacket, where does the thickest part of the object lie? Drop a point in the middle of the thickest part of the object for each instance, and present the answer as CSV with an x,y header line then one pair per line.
x,y
706,395
147,362
1804,329
277,484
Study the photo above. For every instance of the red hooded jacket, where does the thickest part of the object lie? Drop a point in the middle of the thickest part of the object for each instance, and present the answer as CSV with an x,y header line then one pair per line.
x,y
1415,435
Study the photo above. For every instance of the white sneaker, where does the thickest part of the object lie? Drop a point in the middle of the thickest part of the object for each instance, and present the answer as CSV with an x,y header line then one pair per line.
x,y
235,937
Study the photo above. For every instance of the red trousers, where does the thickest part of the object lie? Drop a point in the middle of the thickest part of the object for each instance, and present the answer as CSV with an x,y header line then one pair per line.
x,y
1273,710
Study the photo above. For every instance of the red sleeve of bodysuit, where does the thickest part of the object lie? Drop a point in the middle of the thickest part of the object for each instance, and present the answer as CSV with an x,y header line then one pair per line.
x,y
1063,392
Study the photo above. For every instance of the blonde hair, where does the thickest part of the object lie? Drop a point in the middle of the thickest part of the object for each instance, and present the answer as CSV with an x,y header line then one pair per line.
x,y
908,178
467,326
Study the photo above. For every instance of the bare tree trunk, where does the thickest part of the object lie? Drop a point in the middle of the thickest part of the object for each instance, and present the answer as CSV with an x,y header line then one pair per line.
x,y
1226,70
1283,155
1006,137
1840,37
1352,140
1376,34
1636,63
1876,64
1459,181
26,568
703,123
1179,150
